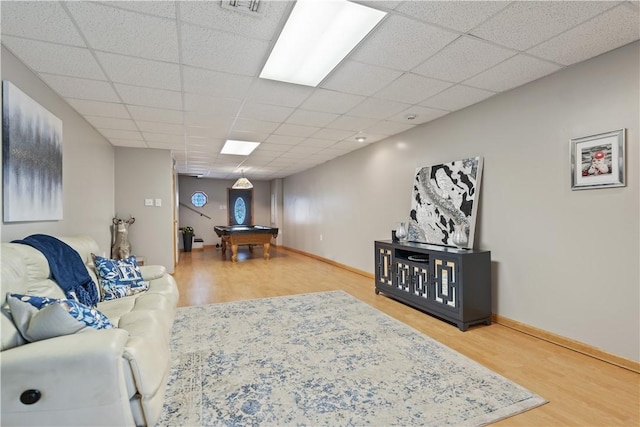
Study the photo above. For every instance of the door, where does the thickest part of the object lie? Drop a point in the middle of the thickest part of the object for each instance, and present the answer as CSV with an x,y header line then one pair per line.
x,y
240,206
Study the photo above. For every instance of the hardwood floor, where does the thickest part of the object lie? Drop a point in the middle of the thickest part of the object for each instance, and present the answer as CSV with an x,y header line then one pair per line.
x,y
581,390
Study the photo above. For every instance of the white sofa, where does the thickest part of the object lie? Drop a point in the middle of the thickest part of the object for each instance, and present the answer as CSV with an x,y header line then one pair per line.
x,y
114,377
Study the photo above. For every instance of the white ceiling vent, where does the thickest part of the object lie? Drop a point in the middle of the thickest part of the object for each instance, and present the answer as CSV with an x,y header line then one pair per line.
x,y
251,7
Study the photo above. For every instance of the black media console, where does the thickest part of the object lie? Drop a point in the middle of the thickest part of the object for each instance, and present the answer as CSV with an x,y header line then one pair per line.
x,y
449,283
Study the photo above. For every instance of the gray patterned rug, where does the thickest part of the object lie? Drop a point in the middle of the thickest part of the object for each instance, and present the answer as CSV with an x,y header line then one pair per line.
x,y
324,359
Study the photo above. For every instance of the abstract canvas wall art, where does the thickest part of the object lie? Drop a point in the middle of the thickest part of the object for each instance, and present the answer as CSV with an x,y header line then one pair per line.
x,y
31,159
445,202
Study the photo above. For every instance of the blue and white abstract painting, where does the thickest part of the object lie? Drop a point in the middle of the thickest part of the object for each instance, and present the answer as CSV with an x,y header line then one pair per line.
x,y
31,159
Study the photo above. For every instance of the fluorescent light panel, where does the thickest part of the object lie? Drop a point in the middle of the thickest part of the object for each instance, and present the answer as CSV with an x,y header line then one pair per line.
x,y
316,37
239,148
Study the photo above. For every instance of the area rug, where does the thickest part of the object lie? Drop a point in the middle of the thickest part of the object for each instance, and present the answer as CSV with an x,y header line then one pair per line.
x,y
324,359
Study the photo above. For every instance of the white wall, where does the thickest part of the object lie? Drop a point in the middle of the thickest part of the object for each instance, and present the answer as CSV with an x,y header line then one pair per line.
x,y
277,208
216,207
87,166
145,173
563,261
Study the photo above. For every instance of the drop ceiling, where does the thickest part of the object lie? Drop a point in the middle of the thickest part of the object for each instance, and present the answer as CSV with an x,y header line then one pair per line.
x,y
182,76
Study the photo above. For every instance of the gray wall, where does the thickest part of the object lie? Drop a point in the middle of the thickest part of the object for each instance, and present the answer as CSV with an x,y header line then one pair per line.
x,y
216,207
563,261
145,173
88,167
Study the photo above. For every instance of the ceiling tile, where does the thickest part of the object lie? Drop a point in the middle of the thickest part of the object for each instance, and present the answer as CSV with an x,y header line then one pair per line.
x,y
208,145
155,114
165,146
233,53
266,155
295,130
388,127
97,108
214,83
121,134
343,128
346,123
119,31
164,8
271,147
512,73
140,72
160,98
55,58
160,127
305,150
163,137
320,143
311,118
524,24
277,93
207,120
212,106
247,136
462,59
255,162
128,143
188,101
377,108
330,101
458,15
348,146
412,88
46,21
268,113
111,123
422,115
608,31
401,43
284,140
369,137
221,131
291,154
359,78
263,25
73,87
251,125
457,97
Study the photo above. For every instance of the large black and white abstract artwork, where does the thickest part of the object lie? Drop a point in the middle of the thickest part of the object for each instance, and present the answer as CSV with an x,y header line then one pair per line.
x,y
445,202
31,159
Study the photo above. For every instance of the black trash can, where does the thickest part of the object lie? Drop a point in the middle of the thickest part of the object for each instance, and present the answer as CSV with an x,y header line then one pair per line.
x,y
187,240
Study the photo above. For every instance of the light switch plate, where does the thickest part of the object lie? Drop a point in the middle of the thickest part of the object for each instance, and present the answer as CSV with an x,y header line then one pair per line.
x,y
158,202
148,202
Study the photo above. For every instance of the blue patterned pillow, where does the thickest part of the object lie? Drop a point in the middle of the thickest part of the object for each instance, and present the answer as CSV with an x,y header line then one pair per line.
x,y
119,277
39,318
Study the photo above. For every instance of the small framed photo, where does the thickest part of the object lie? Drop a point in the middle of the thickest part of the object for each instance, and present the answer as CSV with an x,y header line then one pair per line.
x,y
597,161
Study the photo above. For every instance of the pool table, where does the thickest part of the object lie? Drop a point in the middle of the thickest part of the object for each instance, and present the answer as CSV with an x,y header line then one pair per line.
x,y
235,235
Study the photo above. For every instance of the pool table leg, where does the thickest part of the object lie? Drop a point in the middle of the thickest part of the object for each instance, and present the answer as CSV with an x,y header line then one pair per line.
x,y
266,247
234,252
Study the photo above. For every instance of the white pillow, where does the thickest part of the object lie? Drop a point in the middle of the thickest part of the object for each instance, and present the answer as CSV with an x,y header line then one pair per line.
x,y
40,318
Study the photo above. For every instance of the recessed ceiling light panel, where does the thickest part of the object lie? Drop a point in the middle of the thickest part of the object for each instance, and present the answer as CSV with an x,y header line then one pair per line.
x,y
316,37
239,148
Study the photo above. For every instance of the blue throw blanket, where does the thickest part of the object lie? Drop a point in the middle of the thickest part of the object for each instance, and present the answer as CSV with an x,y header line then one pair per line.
x,y
67,268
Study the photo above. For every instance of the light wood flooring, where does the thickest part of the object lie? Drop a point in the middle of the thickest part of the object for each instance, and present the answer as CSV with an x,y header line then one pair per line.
x,y
581,390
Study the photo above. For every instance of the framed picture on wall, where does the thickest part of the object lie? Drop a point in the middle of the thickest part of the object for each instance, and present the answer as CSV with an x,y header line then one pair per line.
x,y
598,161
31,159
